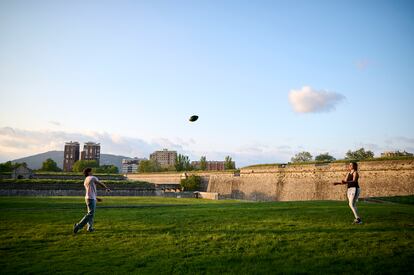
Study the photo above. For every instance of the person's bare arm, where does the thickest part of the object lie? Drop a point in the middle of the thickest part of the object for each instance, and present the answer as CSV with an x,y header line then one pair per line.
x,y
345,178
103,185
339,183
342,182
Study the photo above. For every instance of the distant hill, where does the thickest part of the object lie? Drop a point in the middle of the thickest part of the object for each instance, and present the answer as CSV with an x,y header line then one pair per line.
x,y
35,161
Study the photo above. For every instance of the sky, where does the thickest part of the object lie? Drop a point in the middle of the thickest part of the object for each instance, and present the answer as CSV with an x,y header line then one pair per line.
x,y
268,79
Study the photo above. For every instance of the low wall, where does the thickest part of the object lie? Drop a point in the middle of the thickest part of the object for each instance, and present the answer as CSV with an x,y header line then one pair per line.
x,y
72,189
175,177
315,182
158,178
76,177
75,189
50,192
208,195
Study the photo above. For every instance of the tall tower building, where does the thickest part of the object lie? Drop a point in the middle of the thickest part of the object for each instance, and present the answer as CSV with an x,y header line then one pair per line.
x,y
70,155
91,151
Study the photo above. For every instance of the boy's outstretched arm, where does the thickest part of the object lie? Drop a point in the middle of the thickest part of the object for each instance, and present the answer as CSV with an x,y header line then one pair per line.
x,y
103,185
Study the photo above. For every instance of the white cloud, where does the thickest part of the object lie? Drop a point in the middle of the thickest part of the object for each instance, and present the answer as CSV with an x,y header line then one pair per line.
x,y
308,100
400,140
363,64
55,123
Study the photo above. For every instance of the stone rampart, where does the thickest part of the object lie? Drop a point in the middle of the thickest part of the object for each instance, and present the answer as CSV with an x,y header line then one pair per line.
x,y
315,182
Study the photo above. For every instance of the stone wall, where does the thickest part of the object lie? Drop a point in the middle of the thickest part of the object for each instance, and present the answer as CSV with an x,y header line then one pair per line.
x,y
175,177
72,189
158,178
207,195
315,182
76,177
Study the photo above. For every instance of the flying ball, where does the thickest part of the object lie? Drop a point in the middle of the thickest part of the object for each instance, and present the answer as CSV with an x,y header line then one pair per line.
x,y
193,118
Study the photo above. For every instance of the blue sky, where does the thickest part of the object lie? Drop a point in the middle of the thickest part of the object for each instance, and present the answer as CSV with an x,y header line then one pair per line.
x,y
267,78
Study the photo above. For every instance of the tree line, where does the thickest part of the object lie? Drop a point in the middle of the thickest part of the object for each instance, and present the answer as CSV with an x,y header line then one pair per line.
x,y
50,165
182,163
357,155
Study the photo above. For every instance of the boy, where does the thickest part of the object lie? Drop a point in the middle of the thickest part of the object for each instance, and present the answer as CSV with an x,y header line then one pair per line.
x,y
90,199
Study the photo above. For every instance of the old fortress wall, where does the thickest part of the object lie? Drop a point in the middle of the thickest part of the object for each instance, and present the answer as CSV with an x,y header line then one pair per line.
x,y
301,182
315,182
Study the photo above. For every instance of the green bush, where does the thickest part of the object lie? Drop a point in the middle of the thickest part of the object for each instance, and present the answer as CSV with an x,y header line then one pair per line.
x,y
106,169
191,183
82,164
50,165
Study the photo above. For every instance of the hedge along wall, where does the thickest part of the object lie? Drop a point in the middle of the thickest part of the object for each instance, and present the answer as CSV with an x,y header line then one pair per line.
x,y
74,189
175,177
315,182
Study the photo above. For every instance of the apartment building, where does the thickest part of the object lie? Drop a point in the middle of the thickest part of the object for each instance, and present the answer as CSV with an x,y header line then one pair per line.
x,y
165,158
70,155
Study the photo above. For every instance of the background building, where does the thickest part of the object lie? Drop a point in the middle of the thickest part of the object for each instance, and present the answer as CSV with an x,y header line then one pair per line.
x,y
395,154
91,151
211,165
70,155
165,158
130,165
22,172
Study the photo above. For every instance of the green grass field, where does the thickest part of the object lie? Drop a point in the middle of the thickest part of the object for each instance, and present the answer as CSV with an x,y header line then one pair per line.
x,y
153,235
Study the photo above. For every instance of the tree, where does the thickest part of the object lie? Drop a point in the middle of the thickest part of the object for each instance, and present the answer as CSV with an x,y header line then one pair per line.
x,y
50,165
80,165
182,163
191,183
203,163
9,166
359,154
229,163
302,157
325,157
146,166
107,169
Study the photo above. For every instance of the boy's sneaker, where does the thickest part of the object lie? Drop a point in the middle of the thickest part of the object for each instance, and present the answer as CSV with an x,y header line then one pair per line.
x,y
358,221
75,228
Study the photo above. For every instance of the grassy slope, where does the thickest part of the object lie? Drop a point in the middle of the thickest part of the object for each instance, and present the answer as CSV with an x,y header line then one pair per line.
x,y
198,236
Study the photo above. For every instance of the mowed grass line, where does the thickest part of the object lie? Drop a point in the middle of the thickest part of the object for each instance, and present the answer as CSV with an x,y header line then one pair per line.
x,y
184,236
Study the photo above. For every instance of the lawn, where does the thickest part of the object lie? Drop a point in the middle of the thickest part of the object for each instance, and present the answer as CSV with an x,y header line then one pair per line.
x,y
153,235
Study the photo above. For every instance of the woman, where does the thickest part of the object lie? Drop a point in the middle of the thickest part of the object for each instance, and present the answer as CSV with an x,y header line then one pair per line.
x,y
351,179
90,199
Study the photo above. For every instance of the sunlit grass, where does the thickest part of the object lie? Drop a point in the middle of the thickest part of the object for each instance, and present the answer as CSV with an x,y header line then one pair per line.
x,y
164,235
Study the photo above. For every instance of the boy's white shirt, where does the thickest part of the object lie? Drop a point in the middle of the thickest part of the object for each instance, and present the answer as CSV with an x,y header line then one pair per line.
x,y
90,187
